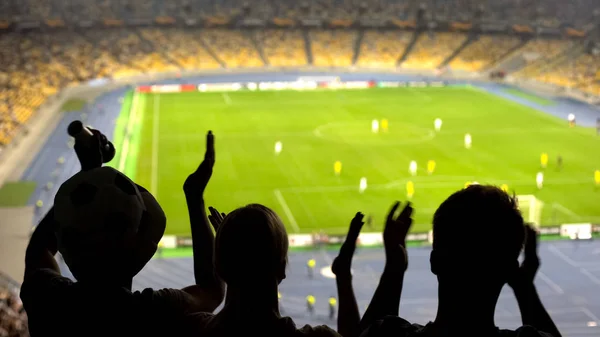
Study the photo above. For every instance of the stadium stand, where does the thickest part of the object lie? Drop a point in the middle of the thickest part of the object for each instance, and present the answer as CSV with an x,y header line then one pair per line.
x,y
233,47
582,73
283,48
13,319
484,52
49,62
538,52
382,49
184,49
431,50
333,48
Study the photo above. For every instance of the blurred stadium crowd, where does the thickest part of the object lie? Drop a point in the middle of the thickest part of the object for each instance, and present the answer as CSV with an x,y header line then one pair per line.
x,y
13,319
37,63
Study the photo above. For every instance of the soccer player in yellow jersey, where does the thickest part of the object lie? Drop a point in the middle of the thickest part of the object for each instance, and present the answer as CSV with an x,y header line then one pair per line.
x,y
311,267
337,168
384,124
597,177
332,306
544,160
410,189
310,304
430,166
504,188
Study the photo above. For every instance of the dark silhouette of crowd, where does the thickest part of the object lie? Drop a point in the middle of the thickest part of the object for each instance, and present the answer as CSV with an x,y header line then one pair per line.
x,y
478,236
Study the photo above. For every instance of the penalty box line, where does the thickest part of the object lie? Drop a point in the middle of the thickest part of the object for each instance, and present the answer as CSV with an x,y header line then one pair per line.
x,y
286,210
422,183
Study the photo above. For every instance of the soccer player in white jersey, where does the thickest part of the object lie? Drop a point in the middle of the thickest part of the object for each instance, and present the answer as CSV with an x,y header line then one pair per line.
x,y
437,124
468,140
362,185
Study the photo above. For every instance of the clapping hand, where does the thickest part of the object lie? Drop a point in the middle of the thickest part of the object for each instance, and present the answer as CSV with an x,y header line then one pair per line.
x,y
394,234
195,184
531,263
215,218
343,262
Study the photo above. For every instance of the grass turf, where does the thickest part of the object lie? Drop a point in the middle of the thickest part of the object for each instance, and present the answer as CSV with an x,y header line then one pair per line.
x,y
319,127
16,194
73,105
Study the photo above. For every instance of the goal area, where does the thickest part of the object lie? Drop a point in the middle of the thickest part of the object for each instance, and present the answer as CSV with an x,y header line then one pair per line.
x,y
531,208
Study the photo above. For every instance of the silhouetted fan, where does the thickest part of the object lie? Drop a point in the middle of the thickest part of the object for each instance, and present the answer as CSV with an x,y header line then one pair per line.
x,y
116,223
125,184
83,194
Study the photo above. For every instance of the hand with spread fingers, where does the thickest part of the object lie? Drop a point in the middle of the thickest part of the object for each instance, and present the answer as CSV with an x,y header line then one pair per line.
x,y
343,262
395,232
216,218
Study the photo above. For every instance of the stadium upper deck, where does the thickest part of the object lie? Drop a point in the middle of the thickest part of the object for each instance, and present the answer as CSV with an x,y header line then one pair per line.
x,y
40,54
550,13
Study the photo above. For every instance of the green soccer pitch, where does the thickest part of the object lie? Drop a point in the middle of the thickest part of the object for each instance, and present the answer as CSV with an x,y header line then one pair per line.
x,y
318,128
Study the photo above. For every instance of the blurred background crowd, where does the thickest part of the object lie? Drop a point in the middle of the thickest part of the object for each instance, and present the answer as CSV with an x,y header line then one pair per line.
x,y
13,320
42,52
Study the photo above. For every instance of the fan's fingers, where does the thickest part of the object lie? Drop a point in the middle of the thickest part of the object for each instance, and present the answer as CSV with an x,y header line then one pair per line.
x,y
210,146
392,212
406,212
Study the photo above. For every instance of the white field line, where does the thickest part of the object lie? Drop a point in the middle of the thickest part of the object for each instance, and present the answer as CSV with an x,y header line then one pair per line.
x,y
130,122
419,183
155,136
565,210
557,289
574,264
286,210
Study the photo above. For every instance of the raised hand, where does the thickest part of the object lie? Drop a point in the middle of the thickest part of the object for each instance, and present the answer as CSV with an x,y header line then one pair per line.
x,y
209,290
343,262
215,218
531,263
348,314
394,234
195,184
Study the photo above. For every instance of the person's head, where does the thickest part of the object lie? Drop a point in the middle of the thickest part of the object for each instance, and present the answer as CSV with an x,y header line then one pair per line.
x,y
115,248
251,247
478,233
